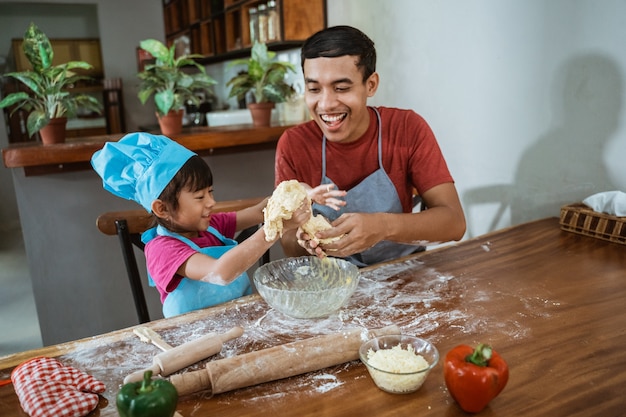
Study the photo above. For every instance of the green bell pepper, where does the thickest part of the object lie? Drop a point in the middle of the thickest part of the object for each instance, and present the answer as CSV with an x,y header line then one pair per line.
x,y
147,398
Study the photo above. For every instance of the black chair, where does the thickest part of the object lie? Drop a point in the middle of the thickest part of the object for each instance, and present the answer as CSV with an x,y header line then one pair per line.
x,y
129,225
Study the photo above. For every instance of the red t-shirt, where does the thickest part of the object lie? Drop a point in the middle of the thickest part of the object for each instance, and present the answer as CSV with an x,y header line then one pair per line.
x,y
411,156
165,254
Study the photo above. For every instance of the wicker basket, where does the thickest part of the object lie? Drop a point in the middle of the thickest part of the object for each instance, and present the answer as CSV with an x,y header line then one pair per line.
x,y
581,219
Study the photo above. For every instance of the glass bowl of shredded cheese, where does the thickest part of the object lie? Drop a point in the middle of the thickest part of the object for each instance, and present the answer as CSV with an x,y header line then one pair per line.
x,y
399,364
307,286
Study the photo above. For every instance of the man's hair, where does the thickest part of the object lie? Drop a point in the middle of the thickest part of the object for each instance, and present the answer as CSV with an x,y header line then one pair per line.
x,y
339,41
194,175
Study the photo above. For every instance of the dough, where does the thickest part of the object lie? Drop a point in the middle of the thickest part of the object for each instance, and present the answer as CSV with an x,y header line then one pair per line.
x,y
286,198
316,224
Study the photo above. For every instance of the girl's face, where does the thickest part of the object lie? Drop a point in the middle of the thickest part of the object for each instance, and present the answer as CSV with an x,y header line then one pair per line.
x,y
194,210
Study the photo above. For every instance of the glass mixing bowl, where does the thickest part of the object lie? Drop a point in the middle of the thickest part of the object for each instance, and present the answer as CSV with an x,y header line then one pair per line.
x,y
307,286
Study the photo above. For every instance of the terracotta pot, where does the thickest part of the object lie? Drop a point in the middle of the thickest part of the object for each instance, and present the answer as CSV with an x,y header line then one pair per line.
x,y
261,113
172,123
54,131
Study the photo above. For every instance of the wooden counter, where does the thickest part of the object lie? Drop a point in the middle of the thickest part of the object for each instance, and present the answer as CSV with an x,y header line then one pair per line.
x,y
550,301
76,153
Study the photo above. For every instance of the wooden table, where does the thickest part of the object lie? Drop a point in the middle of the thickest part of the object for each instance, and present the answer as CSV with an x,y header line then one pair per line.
x,y
551,302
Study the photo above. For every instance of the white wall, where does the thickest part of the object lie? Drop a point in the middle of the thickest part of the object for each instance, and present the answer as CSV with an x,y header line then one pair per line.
x,y
526,97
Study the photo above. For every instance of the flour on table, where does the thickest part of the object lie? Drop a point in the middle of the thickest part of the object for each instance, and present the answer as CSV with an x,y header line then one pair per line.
x,y
417,298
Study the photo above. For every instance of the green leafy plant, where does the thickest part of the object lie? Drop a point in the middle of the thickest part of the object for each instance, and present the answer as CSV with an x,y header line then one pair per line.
x,y
264,77
167,80
48,96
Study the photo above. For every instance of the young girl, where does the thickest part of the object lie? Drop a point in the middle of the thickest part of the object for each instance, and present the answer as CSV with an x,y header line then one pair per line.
x,y
190,256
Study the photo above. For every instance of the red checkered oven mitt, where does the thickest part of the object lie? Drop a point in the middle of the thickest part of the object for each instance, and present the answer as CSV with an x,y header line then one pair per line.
x,y
47,388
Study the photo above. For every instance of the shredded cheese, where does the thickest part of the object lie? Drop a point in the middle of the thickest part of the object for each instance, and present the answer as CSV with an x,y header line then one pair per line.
x,y
397,369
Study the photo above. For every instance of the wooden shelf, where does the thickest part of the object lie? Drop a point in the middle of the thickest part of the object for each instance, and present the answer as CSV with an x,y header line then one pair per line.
x,y
66,50
76,153
219,30
107,91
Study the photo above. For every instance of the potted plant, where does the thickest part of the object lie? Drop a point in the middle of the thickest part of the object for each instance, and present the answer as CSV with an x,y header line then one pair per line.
x,y
48,99
169,83
265,78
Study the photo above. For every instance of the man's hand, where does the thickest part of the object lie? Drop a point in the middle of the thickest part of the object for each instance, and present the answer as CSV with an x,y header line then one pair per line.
x,y
358,231
326,195
442,222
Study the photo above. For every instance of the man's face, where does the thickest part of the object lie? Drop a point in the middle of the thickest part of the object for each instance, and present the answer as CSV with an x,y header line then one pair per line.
x,y
337,96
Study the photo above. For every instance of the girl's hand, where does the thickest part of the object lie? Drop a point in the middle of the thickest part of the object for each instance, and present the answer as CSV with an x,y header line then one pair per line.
x,y
326,195
309,244
299,217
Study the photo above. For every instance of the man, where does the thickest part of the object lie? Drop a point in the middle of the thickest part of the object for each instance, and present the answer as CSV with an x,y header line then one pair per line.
x,y
372,160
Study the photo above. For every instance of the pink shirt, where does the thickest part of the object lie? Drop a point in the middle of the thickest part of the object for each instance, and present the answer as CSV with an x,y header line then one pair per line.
x,y
165,254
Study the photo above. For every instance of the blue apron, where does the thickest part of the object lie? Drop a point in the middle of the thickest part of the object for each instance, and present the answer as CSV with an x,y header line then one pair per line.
x,y
192,294
375,194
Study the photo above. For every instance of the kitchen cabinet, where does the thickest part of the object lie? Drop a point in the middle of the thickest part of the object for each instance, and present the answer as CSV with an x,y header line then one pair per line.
x,y
65,50
107,91
219,30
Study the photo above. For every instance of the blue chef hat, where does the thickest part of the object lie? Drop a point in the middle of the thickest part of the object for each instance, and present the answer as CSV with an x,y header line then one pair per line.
x,y
139,166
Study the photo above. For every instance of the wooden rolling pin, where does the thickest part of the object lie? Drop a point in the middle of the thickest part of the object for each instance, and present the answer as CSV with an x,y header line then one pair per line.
x,y
275,363
179,357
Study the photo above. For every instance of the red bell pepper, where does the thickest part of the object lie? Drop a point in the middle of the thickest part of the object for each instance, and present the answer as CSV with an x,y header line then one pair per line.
x,y
474,377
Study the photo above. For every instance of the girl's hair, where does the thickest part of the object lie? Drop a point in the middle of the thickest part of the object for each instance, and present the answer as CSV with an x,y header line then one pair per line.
x,y
337,41
194,175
